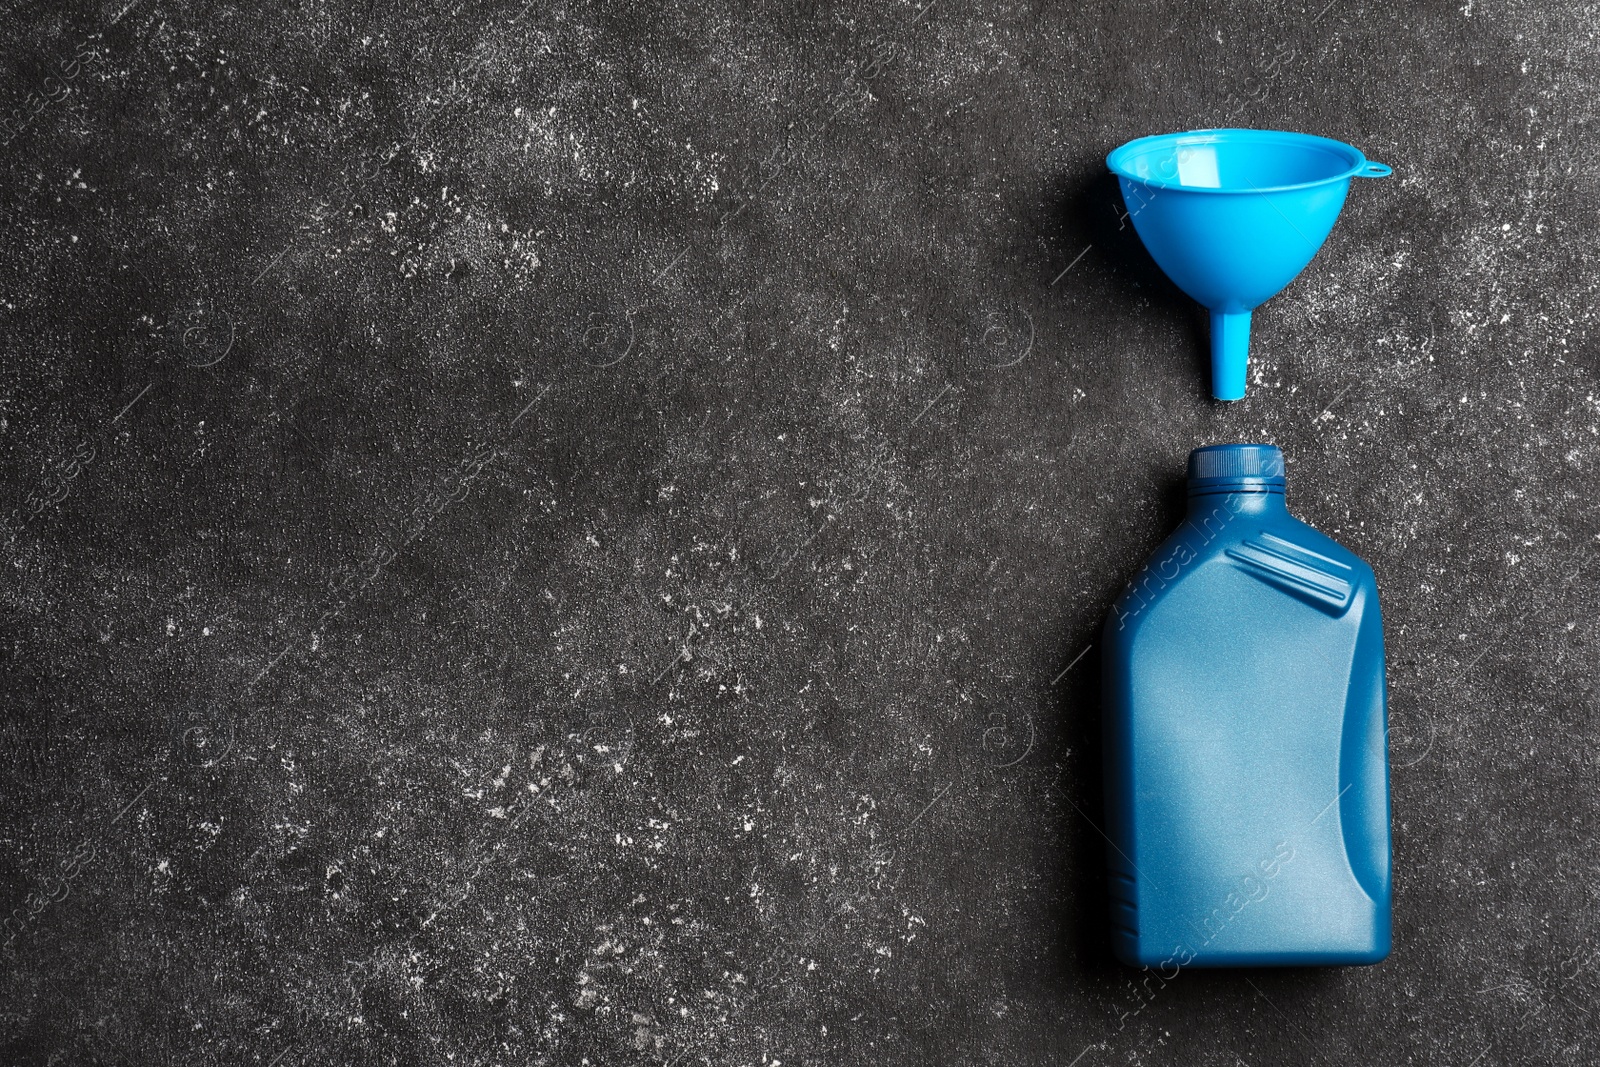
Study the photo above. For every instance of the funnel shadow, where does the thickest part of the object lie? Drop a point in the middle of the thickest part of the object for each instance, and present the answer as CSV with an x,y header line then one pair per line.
x,y
1095,215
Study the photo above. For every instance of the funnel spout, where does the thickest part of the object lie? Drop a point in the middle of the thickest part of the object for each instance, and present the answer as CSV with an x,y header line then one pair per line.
x,y
1230,353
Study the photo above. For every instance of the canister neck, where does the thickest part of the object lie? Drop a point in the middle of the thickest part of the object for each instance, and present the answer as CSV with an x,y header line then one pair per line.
x,y
1267,501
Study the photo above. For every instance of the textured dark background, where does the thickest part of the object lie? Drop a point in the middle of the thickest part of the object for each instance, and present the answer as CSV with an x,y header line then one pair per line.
x,y
568,534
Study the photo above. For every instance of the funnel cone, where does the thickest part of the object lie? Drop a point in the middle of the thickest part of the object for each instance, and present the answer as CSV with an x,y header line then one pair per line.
x,y
1232,216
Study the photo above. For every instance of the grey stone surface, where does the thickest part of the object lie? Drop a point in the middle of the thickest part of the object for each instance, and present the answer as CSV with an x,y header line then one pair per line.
x,y
566,533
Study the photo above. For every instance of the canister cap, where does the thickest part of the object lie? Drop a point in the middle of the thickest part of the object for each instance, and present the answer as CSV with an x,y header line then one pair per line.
x,y
1236,469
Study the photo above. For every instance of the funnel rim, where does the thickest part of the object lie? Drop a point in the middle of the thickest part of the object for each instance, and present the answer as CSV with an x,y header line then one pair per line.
x,y
1116,157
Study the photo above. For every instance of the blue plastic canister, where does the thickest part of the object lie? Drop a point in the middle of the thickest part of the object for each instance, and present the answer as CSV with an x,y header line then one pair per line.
x,y
1247,783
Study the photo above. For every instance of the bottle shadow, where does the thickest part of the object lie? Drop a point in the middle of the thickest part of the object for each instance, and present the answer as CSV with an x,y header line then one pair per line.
x,y
1086,952
1078,710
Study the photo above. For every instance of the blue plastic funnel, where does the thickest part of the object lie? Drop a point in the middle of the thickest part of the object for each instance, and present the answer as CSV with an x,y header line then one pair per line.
x,y
1232,216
